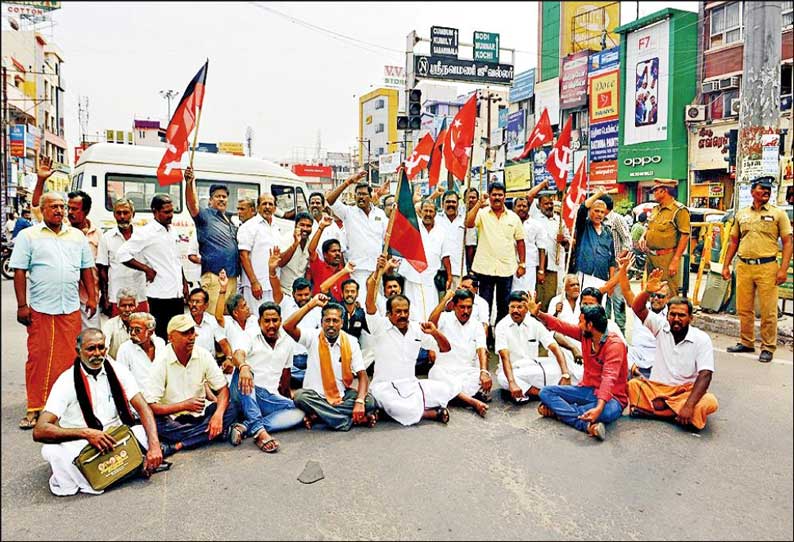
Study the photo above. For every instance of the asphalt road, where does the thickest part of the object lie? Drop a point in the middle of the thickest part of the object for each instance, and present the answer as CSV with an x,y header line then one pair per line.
x,y
513,475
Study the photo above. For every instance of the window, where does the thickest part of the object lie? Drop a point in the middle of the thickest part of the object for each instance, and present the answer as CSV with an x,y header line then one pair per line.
x,y
301,203
726,24
286,200
140,189
379,128
788,14
237,191
77,182
380,103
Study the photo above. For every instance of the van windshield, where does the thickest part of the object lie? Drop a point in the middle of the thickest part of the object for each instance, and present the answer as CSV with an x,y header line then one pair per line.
x,y
237,191
139,189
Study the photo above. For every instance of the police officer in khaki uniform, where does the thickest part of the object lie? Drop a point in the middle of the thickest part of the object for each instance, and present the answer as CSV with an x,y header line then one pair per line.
x,y
667,234
755,234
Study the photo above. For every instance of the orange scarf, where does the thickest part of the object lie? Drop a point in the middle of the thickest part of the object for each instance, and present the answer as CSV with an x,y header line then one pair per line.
x,y
327,370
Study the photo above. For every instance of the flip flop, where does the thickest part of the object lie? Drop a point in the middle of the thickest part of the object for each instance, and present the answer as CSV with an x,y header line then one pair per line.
x,y
372,419
27,423
442,415
262,445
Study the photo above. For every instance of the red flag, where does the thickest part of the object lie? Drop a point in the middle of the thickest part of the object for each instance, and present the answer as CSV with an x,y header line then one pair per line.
x,y
406,239
436,157
179,128
541,134
559,160
419,159
460,138
575,196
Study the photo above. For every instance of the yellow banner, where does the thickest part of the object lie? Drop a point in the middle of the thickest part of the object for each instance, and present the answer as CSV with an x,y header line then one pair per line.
x,y
604,97
587,27
518,177
231,147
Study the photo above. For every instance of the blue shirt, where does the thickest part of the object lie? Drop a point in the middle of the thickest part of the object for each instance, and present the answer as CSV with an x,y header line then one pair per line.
x,y
595,253
20,225
54,261
217,238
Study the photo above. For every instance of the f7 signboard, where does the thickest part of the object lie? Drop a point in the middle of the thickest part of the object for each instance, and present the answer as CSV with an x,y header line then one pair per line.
x,y
486,46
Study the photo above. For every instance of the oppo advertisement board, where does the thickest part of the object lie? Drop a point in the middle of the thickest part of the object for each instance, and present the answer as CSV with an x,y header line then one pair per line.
x,y
647,88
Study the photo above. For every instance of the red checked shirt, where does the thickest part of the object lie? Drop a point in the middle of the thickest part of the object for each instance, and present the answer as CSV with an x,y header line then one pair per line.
x,y
607,369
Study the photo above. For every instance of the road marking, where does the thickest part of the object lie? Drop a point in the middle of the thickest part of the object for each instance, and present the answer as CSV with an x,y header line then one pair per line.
x,y
750,355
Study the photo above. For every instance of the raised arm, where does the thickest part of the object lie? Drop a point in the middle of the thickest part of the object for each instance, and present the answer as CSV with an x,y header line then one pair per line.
x,y
328,283
223,281
654,284
43,173
594,197
291,325
325,221
333,195
191,195
534,191
441,307
471,215
275,282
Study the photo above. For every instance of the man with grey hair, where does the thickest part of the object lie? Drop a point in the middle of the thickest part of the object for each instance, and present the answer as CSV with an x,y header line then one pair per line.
x,y
50,258
246,209
595,249
256,239
117,329
138,353
113,275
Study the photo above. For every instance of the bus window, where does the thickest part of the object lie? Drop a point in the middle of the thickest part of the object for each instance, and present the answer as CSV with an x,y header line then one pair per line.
x,y
285,200
237,191
140,189
301,202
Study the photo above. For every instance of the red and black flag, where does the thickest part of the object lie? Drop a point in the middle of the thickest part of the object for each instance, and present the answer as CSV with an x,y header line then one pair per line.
x,y
179,128
436,156
406,240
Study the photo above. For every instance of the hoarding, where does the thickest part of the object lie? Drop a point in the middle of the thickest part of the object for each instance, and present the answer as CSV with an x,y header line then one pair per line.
x,y
519,176
16,137
516,133
602,60
523,86
547,96
604,141
388,163
394,77
588,22
573,82
647,77
469,71
604,97
708,147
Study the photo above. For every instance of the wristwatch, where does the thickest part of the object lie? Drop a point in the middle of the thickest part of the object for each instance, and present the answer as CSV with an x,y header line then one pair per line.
x,y
521,264
565,375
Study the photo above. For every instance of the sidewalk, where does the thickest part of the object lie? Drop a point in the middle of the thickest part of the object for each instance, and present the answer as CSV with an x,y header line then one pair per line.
x,y
728,324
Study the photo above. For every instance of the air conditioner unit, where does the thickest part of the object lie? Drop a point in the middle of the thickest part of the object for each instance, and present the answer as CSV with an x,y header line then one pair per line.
x,y
729,82
695,113
735,106
710,86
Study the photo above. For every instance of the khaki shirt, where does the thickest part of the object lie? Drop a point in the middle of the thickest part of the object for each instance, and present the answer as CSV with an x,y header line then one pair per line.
x,y
758,231
666,225
496,243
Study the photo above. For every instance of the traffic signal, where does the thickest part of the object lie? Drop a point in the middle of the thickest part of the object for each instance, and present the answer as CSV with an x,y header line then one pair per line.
x,y
733,139
412,121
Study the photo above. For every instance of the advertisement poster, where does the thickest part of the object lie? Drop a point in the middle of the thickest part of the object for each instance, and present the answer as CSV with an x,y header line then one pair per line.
x,y
518,177
17,140
583,23
647,76
539,172
516,135
573,83
604,97
604,141
547,96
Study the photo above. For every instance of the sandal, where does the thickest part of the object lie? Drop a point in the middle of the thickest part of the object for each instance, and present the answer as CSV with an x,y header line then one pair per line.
x,y
28,422
442,415
545,411
236,434
262,444
372,419
309,420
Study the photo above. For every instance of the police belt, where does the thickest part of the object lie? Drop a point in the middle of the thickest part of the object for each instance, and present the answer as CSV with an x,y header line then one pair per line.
x,y
758,261
660,252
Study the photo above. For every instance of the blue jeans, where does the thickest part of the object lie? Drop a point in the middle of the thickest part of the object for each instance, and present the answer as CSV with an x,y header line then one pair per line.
x,y
194,434
617,303
264,410
570,402
299,366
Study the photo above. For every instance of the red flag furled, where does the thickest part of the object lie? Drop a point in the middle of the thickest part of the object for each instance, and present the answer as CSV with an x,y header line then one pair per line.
x,y
436,157
575,196
179,128
559,160
406,239
419,159
460,138
541,134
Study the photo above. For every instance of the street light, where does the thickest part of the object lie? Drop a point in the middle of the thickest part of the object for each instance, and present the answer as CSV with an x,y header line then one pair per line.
x,y
168,94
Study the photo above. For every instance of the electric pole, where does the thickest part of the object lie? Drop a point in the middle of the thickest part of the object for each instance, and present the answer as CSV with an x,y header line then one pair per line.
x,y
168,94
249,140
759,114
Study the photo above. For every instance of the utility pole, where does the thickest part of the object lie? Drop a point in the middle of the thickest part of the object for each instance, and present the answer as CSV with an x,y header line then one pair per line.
x,y
6,158
249,139
760,97
168,94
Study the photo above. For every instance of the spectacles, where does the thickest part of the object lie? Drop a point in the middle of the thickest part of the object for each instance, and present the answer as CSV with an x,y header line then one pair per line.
x,y
657,296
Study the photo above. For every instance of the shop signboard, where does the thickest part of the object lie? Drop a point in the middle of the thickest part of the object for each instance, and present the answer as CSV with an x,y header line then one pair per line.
x,y
523,86
467,71
646,85
604,97
603,172
516,130
604,141
230,147
16,139
518,176
310,170
503,112
708,147
573,83
388,163
603,60
547,96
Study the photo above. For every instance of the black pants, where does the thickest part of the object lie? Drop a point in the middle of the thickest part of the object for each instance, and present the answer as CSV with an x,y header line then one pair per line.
x,y
502,286
163,310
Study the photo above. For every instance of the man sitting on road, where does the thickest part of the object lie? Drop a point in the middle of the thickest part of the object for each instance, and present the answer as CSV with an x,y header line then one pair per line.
x,y
682,367
310,324
208,332
261,382
465,367
523,373
117,329
355,322
601,395
334,359
93,396
137,354
397,341
176,392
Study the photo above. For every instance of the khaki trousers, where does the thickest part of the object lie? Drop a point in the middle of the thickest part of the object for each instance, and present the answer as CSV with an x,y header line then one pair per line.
x,y
760,280
547,290
663,262
209,281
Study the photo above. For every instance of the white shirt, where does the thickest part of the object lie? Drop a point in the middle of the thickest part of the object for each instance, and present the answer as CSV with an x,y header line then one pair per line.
x,y
465,340
116,334
641,336
208,332
550,227
156,246
258,237
330,232
533,239
239,338
119,275
456,231
572,316
308,324
135,360
365,233
395,353
267,363
435,249
481,311
295,267
521,340
62,400
677,364
313,379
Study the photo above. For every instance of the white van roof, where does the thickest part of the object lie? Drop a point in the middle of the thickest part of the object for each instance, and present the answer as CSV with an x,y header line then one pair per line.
x,y
132,155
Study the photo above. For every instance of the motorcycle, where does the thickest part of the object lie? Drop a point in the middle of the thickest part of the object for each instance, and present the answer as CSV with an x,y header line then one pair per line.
x,y
638,267
5,258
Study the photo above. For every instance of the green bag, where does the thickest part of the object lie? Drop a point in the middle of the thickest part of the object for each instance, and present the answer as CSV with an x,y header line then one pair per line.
x,y
103,470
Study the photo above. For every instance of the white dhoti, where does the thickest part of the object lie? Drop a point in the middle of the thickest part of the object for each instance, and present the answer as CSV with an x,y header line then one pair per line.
x,y
253,303
89,322
423,298
527,283
406,400
66,479
459,378
538,373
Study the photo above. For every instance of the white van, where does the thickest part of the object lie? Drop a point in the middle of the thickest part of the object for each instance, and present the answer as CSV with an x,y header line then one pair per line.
x,y
108,171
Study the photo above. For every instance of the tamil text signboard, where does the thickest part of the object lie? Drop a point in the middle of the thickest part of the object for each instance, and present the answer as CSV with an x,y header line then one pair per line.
x,y
469,71
573,83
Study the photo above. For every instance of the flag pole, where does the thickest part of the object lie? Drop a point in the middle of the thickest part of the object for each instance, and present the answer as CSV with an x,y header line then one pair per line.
x,y
195,136
463,248
386,240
